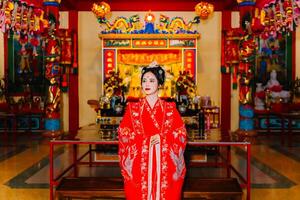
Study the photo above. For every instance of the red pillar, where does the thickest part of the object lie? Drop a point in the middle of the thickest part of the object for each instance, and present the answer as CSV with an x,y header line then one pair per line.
x,y
225,80
52,8
73,79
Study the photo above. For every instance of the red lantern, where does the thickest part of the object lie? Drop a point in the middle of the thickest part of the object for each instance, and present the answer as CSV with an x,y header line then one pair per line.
x,y
204,9
101,9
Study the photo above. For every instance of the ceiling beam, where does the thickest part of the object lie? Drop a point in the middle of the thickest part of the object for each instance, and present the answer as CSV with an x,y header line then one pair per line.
x,y
154,5
68,5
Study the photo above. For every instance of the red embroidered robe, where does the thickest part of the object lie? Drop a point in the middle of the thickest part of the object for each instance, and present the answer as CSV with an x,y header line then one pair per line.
x,y
152,171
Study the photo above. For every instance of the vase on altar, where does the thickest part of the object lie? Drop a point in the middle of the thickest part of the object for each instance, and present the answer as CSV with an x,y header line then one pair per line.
x,y
259,97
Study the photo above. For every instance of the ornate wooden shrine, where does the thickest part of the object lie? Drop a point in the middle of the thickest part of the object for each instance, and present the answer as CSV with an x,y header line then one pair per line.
x,y
126,54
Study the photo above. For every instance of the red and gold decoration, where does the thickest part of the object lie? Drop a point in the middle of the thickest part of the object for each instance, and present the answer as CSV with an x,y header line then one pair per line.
x,y
39,49
113,85
150,17
133,25
129,43
185,84
66,59
190,62
109,61
280,17
127,54
271,18
66,47
204,9
21,16
144,57
53,52
176,25
246,8
246,51
231,54
239,58
150,43
101,9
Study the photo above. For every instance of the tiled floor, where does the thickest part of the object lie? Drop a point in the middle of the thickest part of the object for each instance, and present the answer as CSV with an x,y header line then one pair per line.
x,y
24,169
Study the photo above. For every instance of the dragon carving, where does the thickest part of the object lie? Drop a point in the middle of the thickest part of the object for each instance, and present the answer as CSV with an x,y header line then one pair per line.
x,y
123,25
176,24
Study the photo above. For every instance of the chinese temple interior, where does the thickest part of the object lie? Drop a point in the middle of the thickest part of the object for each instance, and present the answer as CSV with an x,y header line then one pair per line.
x,y
68,68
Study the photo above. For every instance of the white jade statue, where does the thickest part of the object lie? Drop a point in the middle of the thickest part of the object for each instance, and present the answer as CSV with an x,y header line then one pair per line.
x,y
273,80
278,92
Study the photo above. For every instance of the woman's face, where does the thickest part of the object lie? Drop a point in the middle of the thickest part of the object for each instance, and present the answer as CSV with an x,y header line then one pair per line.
x,y
149,83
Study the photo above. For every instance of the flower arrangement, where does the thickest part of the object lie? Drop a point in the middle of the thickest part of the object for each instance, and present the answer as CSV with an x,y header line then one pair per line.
x,y
185,84
113,85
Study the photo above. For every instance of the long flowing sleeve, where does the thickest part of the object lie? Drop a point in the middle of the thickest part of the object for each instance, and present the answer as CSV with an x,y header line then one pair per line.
x,y
129,155
177,143
179,130
127,151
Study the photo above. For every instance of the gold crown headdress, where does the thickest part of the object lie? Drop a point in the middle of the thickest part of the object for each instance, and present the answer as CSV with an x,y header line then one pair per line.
x,y
153,64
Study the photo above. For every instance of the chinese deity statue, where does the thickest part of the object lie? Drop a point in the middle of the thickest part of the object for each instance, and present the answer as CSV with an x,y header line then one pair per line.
x,y
275,88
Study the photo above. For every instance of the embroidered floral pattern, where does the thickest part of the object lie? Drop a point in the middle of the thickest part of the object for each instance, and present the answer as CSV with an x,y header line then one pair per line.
x,y
144,168
178,160
134,143
180,132
127,161
135,116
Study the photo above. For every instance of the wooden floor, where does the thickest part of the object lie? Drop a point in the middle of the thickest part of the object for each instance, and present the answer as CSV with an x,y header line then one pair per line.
x,y
24,169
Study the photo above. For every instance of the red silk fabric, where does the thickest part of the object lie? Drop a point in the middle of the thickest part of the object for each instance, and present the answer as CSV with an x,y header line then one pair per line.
x,y
152,171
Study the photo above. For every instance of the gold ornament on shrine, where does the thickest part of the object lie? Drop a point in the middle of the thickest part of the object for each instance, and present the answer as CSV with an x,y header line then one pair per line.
x,y
101,9
242,1
57,1
149,17
204,9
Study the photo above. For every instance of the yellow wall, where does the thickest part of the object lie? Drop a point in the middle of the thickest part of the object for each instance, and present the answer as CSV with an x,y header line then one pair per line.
x,y
90,64
90,67
209,58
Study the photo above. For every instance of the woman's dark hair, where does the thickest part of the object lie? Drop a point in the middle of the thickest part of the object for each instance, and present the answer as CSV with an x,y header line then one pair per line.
x,y
158,71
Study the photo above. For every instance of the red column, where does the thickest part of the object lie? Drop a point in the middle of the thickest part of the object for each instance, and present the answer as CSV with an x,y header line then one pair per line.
x,y
73,79
52,8
225,81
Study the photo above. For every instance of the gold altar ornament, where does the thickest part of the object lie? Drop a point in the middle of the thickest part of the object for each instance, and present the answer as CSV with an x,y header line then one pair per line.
x,y
204,9
149,17
101,9
58,1
241,1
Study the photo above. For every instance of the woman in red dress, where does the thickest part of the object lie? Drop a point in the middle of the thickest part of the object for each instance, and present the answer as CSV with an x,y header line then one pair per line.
x,y
152,140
